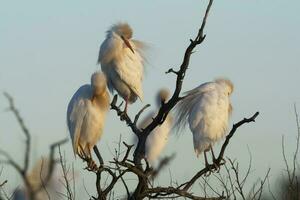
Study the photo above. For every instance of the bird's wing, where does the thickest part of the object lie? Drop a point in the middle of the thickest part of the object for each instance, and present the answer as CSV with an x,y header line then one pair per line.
x,y
205,87
205,107
208,118
118,60
77,110
185,106
129,67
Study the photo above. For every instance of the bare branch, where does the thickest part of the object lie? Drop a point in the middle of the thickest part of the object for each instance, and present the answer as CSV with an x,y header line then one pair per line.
x,y
25,130
42,180
123,115
297,143
218,161
171,70
3,183
139,113
66,182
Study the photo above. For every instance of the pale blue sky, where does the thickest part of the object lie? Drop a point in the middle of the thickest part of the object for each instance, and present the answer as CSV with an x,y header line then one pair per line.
x,y
49,48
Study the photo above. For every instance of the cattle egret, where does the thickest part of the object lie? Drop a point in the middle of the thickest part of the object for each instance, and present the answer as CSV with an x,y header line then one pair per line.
x,y
207,109
121,61
86,114
158,138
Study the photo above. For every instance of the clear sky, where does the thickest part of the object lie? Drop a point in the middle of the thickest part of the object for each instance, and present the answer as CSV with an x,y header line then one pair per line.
x,y
49,48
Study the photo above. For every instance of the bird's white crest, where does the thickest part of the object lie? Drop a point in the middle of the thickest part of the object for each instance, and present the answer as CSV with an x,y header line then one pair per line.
x,y
86,114
158,138
206,109
122,63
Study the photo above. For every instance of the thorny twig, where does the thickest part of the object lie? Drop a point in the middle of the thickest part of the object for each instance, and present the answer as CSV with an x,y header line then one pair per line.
x,y
293,180
66,181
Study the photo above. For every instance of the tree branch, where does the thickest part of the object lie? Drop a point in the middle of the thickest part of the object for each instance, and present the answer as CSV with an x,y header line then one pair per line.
x,y
25,130
218,161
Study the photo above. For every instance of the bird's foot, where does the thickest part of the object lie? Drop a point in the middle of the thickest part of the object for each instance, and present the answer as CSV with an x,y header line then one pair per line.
x,y
222,162
123,116
91,165
216,166
209,171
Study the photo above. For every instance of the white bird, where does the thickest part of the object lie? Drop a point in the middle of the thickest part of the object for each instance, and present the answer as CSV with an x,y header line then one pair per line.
x,y
86,114
207,109
158,138
121,61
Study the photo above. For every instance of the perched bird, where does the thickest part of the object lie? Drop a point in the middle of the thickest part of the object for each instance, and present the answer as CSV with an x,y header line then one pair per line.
x,y
121,61
86,114
207,109
158,138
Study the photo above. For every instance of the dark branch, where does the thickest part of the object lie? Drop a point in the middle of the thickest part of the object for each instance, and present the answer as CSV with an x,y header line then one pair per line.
x,y
218,161
166,191
139,113
171,70
25,130
3,183
123,115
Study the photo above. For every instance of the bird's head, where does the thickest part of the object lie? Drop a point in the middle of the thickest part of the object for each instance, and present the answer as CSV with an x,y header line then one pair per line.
x,y
228,85
162,96
98,83
124,31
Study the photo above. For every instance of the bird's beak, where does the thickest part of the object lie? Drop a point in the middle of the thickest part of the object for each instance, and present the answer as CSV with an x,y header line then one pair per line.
x,y
127,43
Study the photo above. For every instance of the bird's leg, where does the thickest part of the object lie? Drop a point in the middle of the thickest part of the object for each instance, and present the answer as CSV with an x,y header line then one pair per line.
x,y
91,163
81,153
125,109
207,165
217,167
126,105
205,158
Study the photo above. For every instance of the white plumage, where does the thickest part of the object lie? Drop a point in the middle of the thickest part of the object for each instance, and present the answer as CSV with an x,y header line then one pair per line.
x,y
86,114
121,61
158,138
207,109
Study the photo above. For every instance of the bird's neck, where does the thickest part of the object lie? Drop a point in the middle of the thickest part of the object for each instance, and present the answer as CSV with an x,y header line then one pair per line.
x,y
102,100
